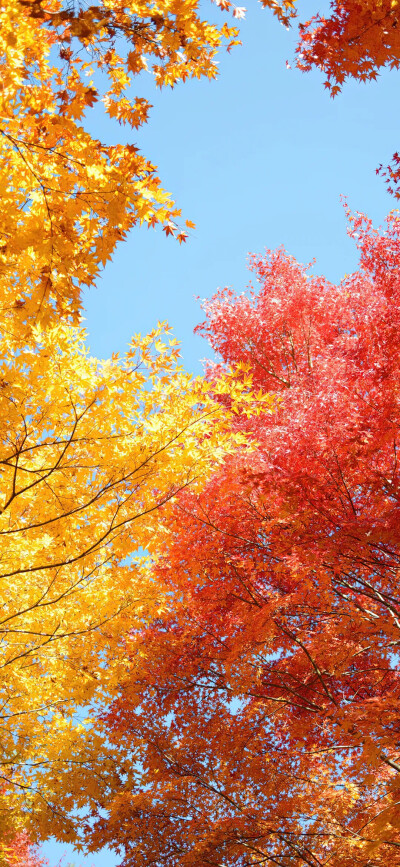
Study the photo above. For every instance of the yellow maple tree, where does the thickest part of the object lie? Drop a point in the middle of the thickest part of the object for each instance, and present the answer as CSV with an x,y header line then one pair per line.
x,y
89,453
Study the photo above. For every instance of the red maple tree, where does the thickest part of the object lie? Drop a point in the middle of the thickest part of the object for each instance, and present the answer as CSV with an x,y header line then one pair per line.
x,y
355,39
21,852
263,707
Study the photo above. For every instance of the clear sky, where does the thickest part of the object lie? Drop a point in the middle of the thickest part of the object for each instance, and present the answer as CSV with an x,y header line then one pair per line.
x,y
258,158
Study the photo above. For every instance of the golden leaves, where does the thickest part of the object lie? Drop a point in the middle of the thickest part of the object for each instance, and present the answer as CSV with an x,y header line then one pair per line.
x,y
67,199
91,452
88,456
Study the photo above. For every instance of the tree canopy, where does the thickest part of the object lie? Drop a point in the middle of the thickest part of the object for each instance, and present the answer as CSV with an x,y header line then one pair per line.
x,y
199,606
264,704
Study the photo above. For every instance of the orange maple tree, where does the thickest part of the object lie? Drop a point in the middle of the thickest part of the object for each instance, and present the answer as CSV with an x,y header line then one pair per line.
x,y
356,39
262,709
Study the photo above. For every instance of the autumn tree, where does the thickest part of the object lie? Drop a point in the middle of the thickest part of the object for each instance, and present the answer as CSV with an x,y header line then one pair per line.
x,y
89,455
89,450
263,705
67,198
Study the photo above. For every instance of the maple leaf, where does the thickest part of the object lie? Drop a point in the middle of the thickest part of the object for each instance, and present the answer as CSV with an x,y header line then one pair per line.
x,y
91,96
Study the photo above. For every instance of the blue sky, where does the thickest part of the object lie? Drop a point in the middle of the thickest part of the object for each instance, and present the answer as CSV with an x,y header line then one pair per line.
x,y
257,159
